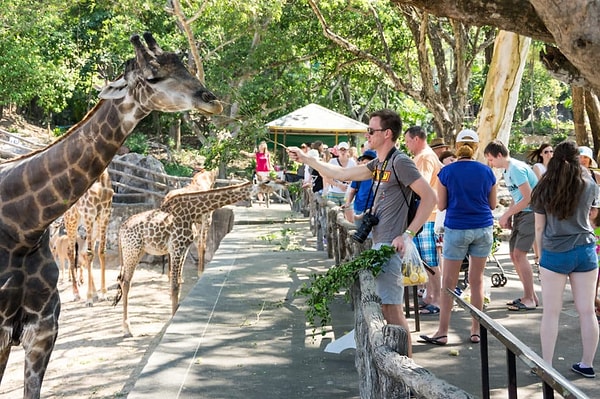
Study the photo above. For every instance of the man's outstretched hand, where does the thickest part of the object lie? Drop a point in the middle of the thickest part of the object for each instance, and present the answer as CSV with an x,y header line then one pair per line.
x,y
296,154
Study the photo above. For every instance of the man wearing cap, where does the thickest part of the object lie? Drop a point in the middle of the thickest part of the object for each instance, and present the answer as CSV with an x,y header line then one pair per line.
x,y
429,165
438,146
336,190
359,196
394,176
520,180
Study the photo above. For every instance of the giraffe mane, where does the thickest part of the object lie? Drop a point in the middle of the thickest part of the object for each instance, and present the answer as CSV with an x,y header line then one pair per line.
x,y
61,138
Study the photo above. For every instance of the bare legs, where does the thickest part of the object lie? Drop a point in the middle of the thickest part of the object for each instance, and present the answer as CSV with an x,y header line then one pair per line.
x,y
583,287
525,272
434,285
451,272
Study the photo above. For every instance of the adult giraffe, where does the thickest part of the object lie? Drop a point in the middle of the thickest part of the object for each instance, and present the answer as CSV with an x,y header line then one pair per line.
x,y
37,188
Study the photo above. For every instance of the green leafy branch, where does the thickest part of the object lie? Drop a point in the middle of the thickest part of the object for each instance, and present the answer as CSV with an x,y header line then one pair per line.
x,y
323,287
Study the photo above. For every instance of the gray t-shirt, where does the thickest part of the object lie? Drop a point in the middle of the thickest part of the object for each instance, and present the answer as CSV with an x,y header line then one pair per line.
x,y
564,235
390,206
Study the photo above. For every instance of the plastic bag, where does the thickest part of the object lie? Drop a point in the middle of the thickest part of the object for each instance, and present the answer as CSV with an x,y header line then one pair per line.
x,y
413,271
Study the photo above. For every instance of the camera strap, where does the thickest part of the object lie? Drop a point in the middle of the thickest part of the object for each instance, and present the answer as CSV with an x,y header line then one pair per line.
x,y
380,173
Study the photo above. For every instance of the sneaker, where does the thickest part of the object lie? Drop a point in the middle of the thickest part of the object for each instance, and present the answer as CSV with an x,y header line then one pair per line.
x,y
587,372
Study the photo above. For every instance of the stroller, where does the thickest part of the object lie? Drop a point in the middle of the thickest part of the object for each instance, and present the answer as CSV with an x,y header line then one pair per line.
x,y
498,279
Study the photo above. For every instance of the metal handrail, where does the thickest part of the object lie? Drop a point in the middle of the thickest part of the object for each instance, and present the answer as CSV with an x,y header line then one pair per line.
x,y
552,380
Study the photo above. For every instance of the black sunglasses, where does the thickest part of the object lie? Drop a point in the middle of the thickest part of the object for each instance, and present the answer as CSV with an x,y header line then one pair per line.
x,y
371,131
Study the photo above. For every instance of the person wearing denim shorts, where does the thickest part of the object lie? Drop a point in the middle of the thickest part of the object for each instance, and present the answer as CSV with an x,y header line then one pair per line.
x,y
561,202
467,190
389,189
520,179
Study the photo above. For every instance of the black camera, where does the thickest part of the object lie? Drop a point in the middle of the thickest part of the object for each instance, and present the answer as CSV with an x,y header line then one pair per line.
x,y
365,228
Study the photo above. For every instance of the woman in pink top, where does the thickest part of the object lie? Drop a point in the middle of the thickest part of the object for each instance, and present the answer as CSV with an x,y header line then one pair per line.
x,y
263,162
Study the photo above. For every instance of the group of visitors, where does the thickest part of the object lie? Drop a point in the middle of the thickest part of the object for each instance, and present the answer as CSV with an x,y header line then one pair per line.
x,y
554,210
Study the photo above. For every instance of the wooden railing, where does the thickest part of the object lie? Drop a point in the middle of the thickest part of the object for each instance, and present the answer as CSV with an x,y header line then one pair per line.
x,y
384,369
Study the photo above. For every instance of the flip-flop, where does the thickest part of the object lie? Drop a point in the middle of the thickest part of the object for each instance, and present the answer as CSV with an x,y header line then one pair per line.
x,y
429,309
433,340
475,338
520,306
518,300
513,302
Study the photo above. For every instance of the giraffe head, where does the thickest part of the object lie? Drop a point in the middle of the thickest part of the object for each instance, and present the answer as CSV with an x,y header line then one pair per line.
x,y
161,82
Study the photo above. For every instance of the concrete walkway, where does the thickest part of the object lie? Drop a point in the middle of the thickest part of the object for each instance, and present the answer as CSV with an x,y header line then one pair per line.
x,y
241,332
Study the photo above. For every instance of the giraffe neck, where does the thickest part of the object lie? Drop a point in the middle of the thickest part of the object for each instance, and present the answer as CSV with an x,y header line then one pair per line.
x,y
191,206
39,187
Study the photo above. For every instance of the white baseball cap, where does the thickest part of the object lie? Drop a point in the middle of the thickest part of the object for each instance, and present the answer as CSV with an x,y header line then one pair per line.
x,y
467,136
313,153
343,144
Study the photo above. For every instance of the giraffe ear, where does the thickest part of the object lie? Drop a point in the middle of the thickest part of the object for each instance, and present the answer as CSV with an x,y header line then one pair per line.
x,y
114,90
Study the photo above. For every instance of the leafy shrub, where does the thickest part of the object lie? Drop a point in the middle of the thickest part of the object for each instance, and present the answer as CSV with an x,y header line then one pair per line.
x,y
176,169
137,142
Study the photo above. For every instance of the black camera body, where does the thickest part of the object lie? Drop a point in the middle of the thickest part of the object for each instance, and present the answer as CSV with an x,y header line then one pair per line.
x,y
365,228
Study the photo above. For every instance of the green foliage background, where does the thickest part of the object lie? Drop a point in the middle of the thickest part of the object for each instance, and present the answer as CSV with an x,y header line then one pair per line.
x,y
263,58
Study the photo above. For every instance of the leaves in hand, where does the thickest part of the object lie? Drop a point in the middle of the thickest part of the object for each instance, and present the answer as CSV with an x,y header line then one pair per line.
x,y
323,287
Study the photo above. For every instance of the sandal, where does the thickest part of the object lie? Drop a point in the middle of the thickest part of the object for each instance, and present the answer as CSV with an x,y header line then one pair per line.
x,y
433,340
429,309
520,306
475,338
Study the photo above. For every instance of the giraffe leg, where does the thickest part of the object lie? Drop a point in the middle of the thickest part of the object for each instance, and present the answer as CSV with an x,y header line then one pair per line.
x,y
175,276
92,295
71,219
38,342
73,257
4,354
125,286
102,260
202,238
131,251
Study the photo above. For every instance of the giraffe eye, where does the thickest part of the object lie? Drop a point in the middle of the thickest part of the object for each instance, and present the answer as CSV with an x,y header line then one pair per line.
x,y
153,80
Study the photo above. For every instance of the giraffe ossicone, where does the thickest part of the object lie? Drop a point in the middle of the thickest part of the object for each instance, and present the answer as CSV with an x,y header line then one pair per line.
x,y
37,188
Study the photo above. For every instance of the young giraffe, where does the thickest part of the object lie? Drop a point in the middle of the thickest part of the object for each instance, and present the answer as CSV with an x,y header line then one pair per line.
x,y
168,230
93,209
39,187
201,181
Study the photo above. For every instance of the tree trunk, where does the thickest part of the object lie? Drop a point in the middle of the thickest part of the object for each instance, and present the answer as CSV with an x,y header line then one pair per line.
x,y
592,107
502,87
572,25
581,135
175,133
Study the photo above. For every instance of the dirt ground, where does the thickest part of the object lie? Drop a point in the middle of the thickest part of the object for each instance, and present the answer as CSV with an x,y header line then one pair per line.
x,y
91,359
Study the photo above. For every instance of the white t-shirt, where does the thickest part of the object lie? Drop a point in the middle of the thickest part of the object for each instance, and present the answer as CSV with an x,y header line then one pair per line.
x,y
334,161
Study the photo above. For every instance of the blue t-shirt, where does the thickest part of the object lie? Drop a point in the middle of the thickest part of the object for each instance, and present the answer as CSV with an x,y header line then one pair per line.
x,y
363,189
518,172
468,184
